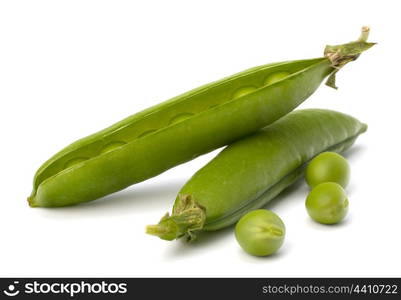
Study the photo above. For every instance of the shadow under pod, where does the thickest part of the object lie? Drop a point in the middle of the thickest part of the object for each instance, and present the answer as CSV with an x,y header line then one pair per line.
x,y
137,198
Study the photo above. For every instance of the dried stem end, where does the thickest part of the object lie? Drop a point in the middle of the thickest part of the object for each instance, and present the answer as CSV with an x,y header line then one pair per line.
x,y
340,55
187,218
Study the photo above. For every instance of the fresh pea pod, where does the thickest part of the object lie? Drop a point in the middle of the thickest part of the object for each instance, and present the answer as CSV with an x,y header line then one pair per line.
x,y
249,173
161,137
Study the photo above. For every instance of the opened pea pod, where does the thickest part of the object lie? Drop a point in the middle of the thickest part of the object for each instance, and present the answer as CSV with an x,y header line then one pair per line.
x,y
173,132
247,174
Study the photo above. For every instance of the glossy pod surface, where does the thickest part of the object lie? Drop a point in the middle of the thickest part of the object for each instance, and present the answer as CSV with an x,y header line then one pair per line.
x,y
173,132
152,141
249,173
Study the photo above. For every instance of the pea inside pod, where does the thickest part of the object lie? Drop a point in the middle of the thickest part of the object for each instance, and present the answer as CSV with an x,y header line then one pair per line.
x,y
173,132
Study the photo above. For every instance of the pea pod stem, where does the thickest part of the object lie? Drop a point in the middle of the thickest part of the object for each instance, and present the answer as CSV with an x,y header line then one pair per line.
x,y
187,217
340,55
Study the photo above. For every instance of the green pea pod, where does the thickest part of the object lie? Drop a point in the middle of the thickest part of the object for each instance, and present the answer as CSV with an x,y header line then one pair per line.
x,y
247,174
161,137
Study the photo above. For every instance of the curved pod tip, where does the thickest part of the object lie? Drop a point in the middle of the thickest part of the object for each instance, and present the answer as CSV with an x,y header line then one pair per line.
x,y
31,201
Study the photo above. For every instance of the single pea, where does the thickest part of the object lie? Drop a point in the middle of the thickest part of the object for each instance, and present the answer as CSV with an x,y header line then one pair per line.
x,y
328,167
275,77
244,91
260,232
327,203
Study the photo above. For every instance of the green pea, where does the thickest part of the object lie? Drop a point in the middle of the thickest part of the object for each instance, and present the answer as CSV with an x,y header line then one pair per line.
x,y
260,232
328,167
244,91
327,203
249,173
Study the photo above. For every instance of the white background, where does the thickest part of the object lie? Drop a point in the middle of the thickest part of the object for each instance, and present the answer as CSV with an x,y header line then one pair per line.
x,y
71,68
